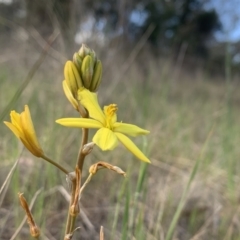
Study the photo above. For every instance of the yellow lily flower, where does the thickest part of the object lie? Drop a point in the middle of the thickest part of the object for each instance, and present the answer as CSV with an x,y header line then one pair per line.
x,y
22,126
110,131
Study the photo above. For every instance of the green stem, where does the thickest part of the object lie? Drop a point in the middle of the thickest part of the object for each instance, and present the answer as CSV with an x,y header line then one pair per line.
x,y
55,164
72,224
70,217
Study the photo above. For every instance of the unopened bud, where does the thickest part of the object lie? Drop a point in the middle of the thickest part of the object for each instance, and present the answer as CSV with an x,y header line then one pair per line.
x,y
88,67
93,55
72,77
97,77
77,60
87,71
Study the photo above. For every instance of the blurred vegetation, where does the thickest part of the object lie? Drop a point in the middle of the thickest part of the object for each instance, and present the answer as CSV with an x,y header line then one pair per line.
x,y
180,22
183,27
175,21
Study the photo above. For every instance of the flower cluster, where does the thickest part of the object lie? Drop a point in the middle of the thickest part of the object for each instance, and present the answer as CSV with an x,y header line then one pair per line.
x,y
82,78
84,71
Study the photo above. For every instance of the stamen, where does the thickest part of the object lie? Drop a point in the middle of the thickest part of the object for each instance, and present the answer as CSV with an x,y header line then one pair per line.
x,y
110,113
111,110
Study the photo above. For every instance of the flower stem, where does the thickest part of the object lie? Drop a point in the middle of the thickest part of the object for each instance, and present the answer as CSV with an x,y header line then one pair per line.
x,y
81,156
55,164
73,220
70,217
80,160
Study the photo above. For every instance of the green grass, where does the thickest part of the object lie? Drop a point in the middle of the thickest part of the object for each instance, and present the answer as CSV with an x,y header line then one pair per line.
x,y
190,191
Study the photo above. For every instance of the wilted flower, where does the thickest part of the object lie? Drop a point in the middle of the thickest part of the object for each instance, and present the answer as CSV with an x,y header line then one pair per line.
x,y
34,230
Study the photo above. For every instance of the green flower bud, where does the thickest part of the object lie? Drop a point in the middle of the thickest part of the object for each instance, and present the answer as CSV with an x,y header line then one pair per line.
x,y
87,71
93,55
77,60
86,63
97,77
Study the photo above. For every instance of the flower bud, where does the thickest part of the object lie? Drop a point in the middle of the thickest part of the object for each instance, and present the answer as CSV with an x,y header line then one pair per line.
x,y
77,60
89,68
93,55
97,77
72,77
87,71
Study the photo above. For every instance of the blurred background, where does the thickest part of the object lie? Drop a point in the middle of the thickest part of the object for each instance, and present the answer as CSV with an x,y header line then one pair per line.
x,y
197,29
173,68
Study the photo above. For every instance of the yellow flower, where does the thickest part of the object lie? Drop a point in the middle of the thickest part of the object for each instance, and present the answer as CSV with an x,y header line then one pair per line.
x,y
22,126
110,131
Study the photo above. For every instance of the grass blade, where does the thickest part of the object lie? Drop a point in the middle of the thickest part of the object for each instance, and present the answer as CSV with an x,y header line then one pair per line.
x,y
185,192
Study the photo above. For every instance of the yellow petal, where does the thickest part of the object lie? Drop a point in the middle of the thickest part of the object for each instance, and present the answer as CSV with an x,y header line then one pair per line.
x,y
79,122
69,95
27,126
129,129
14,129
15,119
105,139
31,148
131,147
29,131
90,102
20,135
